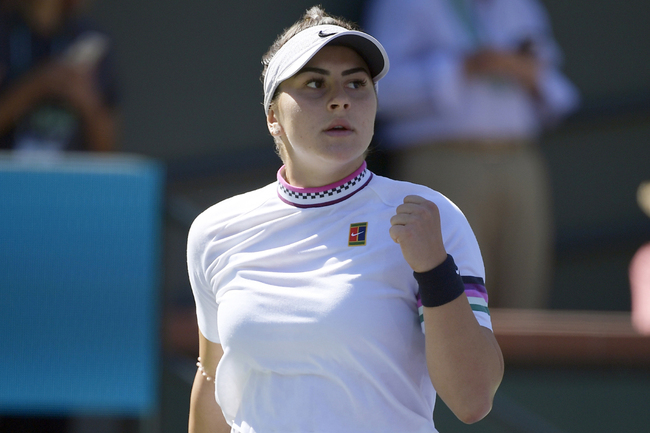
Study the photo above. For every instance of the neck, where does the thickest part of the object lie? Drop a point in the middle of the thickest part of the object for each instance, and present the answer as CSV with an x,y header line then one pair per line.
x,y
315,177
324,195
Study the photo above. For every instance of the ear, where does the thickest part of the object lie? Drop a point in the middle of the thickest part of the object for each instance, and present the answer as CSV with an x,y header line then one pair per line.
x,y
273,123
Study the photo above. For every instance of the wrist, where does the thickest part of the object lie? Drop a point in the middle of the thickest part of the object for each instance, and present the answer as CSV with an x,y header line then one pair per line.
x,y
440,285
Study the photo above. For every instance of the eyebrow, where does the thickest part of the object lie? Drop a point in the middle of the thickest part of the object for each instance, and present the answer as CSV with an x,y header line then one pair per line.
x,y
355,70
326,72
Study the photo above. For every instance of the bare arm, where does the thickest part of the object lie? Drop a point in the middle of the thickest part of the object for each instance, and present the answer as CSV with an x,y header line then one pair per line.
x,y
522,68
73,84
99,121
464,360
18,99
205,413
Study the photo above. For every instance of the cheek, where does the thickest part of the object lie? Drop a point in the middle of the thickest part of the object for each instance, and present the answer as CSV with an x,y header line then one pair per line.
x,y
370,112
298,124
290,115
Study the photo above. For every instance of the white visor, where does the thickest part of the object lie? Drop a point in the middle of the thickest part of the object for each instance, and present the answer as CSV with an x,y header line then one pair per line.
x,y
298,50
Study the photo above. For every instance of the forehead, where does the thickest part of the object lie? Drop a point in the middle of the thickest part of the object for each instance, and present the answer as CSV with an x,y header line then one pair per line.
x,y
337,56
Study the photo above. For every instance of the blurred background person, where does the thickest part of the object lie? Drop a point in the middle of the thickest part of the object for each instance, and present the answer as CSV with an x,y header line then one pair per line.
x,y
57,81
58,92
639,272
473,84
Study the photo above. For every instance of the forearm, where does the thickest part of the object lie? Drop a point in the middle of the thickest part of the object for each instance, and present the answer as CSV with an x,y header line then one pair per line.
x,y
99,128
523,69
17,100
464,360
205,413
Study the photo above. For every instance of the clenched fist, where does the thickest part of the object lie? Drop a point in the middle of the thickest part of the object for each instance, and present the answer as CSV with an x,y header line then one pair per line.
x,y
416,228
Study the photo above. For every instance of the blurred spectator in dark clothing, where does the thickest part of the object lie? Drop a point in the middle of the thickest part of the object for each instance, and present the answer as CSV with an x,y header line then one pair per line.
x,y
57,79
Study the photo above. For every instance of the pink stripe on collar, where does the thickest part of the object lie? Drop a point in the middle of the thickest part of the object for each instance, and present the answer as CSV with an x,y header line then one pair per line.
x,y
325,195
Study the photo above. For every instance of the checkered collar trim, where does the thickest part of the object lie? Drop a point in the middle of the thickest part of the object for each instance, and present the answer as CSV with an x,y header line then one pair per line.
x,y
326,195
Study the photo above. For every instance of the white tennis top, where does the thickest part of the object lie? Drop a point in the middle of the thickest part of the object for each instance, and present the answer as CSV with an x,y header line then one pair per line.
x,y
316,308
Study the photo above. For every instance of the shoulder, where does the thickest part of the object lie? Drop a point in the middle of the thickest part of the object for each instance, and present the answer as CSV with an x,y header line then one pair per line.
x,y
392,193
216,217
457,234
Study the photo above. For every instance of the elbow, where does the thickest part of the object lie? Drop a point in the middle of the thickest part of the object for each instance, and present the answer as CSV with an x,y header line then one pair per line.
x,y
474,409
475,414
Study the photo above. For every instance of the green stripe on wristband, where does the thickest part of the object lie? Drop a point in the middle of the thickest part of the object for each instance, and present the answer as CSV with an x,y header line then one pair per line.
x,y
480,308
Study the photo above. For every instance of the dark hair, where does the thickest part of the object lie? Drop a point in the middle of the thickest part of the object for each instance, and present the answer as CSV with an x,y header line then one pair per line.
x,y
315,16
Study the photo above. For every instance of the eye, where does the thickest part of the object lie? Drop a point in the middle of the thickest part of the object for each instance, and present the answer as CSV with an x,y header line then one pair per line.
x,y
358,84
315,83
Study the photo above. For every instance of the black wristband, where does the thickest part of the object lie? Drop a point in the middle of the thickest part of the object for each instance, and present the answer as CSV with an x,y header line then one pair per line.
x,y
441,284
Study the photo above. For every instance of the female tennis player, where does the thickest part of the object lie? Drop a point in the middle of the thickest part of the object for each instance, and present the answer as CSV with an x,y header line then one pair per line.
x,y
334,300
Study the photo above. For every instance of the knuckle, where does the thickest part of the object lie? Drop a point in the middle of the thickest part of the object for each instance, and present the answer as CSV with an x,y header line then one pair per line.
x,y
431,206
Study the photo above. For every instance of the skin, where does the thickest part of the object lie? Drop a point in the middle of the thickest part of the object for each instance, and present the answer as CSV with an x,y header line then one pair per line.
x,y
334,88
522,67
205,414
463,358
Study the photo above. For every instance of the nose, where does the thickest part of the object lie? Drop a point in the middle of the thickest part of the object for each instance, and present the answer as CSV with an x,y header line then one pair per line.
x,y
339,100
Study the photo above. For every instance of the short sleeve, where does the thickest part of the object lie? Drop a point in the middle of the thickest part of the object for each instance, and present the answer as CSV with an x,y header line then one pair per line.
x,y
204,294
460,242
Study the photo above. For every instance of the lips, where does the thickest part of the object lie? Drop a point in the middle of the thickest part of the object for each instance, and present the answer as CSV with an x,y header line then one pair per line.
x,y
339,126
